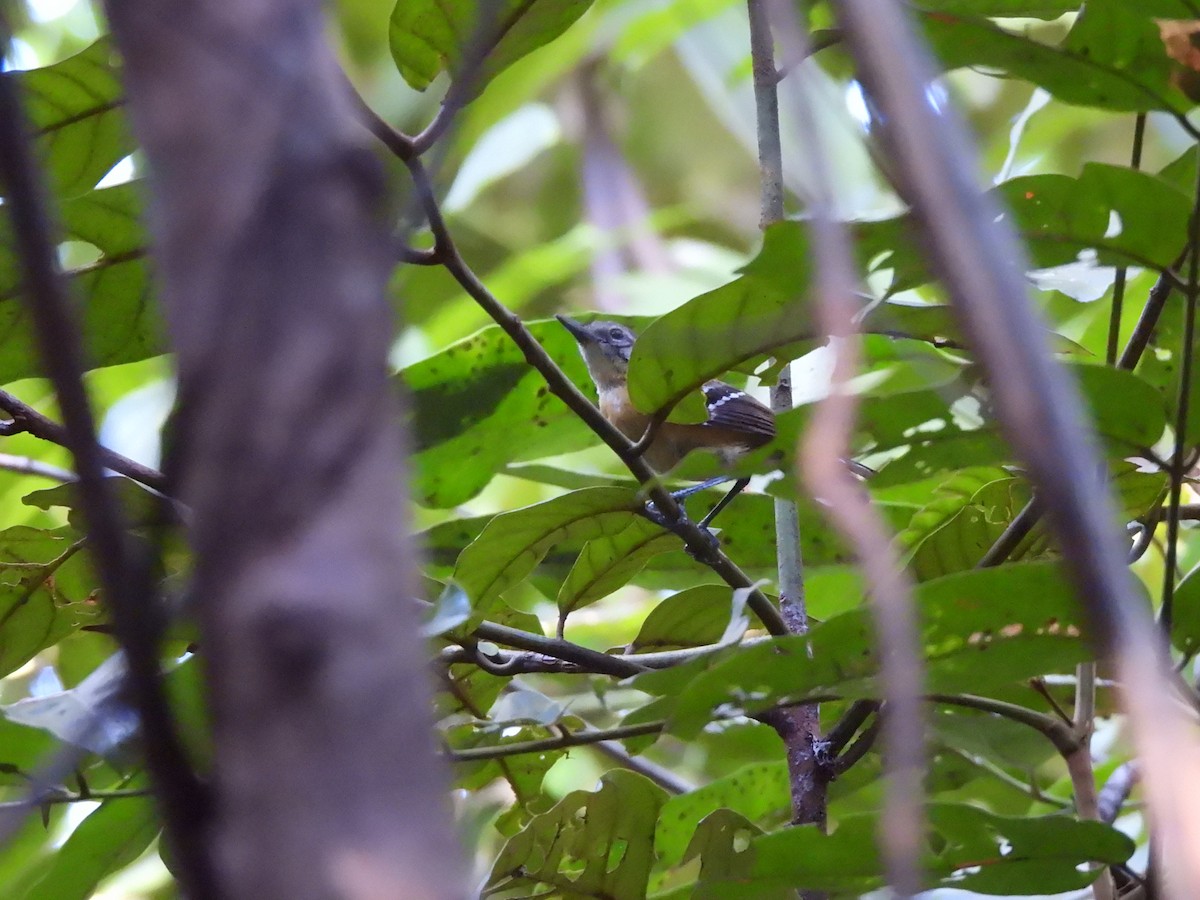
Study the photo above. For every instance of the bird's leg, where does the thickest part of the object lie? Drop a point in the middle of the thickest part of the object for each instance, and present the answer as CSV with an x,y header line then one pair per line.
x,y
738,487
686,492
702,486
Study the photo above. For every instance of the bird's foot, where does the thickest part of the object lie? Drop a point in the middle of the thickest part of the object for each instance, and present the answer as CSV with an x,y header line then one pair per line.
x,y
710,546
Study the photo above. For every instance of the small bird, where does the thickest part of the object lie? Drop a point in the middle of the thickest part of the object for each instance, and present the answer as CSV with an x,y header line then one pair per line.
x,y
736,422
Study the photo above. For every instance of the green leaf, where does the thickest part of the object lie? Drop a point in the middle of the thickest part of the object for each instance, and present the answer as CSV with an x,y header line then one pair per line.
x,y
980,629
1003,856
46,592
523,772
429,37
1121,213
74,109
1185,614
514,543
608,562
967,848
120,321
753,315
691,618
971,510
946,430
1112,58
1041,9
1117,215
111,837
590,844
967,515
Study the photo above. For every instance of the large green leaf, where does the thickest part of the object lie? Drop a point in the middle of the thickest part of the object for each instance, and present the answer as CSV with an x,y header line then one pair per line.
x,y
428,37
761,311
691,618
970,511
1119,215
755,791
111,837
589,845
513,543
119,318
609,562
1112,58
979,630
74,108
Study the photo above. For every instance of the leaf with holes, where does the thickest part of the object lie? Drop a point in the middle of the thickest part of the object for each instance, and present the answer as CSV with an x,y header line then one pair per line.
x,y
45,592
590,844
758,791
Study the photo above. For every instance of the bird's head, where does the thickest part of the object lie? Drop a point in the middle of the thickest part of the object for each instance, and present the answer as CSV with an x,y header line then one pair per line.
x,y
605,346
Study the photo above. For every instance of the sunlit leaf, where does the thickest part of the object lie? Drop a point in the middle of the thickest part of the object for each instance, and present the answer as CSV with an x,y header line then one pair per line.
x,y
428,37
111,837
75,110
46,592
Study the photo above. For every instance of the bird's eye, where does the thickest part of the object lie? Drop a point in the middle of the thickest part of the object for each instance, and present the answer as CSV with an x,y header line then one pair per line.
x,y
616,334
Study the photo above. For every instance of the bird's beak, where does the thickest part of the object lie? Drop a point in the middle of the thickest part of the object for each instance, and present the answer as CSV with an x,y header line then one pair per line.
x,y
577,329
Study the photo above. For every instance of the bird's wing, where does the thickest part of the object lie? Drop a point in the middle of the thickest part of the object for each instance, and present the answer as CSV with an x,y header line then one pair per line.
x,y
734,409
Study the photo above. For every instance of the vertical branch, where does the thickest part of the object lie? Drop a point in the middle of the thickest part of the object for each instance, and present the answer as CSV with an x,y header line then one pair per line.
x,y
800,726
1187,363
981,263
274,257
1079,763
126,580
825,444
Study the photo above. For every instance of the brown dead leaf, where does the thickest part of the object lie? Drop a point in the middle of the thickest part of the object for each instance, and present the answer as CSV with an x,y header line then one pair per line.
x,y
1181,38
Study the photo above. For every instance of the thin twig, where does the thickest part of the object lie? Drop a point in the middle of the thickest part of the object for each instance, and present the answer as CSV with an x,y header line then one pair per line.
x,y
660,775
1177,468
23,465
798,727
24,419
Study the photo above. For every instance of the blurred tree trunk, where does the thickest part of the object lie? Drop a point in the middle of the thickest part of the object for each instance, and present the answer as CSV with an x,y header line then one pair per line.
x,y
273,258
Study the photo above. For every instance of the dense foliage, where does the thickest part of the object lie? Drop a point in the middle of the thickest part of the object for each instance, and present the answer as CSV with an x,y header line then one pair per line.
x,y
604,160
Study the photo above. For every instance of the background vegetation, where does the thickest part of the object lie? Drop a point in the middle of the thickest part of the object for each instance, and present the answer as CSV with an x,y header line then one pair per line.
x,y
607,702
